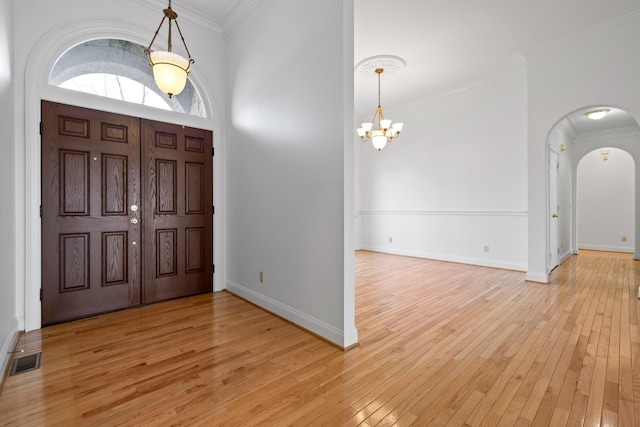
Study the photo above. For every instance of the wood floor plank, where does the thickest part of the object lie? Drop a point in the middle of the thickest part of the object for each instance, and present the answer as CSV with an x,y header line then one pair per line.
x,y
440,344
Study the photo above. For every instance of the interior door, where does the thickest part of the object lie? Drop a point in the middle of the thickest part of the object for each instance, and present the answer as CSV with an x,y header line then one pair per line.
x,y
178,209
91,250
554,247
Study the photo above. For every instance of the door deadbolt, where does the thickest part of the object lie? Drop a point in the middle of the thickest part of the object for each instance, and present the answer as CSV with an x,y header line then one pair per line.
x,y
134,208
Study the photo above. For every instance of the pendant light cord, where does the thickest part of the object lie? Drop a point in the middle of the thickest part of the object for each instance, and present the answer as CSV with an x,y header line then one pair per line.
x,y
379,71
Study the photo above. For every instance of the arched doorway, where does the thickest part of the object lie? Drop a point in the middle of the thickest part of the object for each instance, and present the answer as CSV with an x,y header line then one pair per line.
x,y
605,194
572,138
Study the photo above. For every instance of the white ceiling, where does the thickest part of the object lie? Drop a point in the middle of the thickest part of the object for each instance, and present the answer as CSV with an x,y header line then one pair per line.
x,y
618,121
448,45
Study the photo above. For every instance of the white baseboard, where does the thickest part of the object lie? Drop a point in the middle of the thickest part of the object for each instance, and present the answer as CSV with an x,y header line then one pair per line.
x,y
483,262
537,277
8,346
303,320
606,248
564,257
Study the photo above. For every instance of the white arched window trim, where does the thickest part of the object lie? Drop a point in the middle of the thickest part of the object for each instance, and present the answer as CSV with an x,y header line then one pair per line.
x,y
128,64
39,65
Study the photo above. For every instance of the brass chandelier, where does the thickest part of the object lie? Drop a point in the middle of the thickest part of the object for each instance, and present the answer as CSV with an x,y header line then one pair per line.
x,y
385,131
170,70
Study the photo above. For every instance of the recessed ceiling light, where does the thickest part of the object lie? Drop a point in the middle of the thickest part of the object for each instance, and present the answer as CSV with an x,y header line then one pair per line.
x,y
597,114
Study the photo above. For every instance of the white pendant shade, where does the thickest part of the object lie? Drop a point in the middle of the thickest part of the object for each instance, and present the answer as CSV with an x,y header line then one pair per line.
x,y
379,141
169,71
397,127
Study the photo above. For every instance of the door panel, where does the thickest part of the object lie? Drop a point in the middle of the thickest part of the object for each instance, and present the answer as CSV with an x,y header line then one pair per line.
x,y
109,239
177,216
90,176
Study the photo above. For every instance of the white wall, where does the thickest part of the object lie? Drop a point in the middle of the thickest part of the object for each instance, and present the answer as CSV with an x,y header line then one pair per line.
x,y
287,180
606,201
8,208
454,181
564,76
43,31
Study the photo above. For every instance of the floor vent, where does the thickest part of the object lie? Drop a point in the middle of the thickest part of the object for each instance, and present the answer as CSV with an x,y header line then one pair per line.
x,y
25,363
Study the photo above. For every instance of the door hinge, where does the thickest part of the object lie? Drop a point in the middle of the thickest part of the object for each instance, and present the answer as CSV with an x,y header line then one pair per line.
x,y
213,210
40,211
213,151
40,294
40,128
213,268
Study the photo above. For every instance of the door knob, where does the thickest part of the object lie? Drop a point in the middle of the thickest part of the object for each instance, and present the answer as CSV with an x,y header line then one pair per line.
x,y
134,220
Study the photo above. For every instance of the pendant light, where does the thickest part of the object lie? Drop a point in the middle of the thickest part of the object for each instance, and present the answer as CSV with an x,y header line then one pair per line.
x,y
170,70
380,130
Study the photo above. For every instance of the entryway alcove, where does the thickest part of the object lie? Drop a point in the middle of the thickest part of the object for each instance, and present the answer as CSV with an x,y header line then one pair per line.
x,y
126,212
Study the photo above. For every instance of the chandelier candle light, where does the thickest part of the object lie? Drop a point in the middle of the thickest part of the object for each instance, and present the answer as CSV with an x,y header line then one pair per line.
x,y
170,70
385,131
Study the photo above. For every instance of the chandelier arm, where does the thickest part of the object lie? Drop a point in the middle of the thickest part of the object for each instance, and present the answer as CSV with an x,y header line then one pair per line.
x,y
148,49
184,43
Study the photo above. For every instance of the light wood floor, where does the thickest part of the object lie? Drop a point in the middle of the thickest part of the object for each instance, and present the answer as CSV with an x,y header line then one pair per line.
x,y
440,344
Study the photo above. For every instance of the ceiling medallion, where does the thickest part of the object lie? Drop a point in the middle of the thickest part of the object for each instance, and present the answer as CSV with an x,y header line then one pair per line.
x,y
389,63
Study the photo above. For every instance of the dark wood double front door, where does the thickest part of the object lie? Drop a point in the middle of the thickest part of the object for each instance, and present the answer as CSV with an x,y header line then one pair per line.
x,y
126,212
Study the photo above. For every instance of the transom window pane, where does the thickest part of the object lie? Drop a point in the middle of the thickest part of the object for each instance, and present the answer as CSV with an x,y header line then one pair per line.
x,y
116,87
119,69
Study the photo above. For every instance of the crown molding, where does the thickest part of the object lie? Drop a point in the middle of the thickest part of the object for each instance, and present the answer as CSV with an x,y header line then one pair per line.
x,y
242,11
586,35
192,17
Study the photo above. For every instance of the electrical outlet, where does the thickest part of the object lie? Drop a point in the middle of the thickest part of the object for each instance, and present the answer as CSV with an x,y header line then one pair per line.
x,y
261,277
390,239
486,248
624,238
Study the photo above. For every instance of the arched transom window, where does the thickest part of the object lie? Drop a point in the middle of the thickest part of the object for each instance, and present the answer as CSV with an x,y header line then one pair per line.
x,y
119,69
